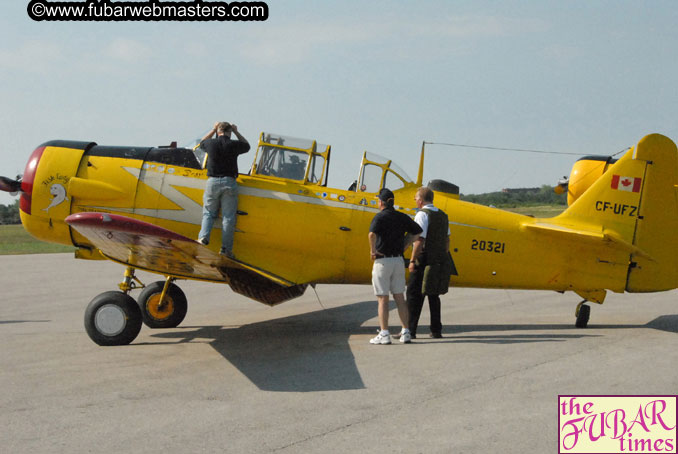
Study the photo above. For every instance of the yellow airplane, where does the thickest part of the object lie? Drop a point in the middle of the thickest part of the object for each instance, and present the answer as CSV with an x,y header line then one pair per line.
x,y
141,207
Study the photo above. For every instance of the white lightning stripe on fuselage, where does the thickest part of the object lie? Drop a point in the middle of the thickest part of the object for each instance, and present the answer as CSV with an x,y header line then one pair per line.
x,y
472,226
190,212
276,195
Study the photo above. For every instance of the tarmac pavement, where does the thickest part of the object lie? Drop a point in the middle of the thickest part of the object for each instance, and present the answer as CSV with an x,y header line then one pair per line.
x,y
240,377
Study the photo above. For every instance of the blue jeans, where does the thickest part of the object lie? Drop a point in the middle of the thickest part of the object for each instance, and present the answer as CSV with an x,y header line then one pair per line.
x,y
220,192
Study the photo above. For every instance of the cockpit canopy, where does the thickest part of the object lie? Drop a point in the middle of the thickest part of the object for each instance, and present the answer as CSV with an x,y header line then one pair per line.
x,y
377,172
290,158
305,161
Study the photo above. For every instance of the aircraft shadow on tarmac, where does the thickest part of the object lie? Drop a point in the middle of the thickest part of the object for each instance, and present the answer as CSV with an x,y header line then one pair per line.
x,y
310,352
456,333
301,353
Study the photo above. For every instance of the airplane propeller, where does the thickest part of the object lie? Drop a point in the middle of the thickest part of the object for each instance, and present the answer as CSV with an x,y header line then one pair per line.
x,y
9,185
562,185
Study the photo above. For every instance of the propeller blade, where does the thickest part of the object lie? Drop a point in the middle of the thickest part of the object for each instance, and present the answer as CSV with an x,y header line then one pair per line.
x,y
9,185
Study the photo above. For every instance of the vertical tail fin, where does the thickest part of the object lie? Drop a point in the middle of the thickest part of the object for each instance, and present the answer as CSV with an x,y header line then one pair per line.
x,y
657,227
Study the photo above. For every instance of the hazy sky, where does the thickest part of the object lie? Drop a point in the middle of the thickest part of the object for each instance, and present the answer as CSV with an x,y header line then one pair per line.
x,y
589,77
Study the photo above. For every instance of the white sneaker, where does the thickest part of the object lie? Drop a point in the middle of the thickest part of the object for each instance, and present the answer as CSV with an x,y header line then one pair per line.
x,y
381,340
405,337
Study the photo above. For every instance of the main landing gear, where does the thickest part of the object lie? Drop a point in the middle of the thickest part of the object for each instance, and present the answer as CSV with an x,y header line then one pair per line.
x,y
114,318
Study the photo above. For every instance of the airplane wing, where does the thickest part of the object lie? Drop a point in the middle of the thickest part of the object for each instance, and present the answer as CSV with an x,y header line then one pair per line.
x,y
152,248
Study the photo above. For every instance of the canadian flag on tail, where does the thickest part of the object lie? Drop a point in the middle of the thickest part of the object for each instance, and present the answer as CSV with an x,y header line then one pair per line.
x,y
629,184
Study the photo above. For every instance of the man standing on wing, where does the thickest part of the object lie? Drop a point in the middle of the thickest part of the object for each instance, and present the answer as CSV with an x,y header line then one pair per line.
x,y
391,232
221,190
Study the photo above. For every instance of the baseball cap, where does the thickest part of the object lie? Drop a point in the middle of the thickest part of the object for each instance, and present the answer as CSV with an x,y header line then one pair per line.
x,y
385,195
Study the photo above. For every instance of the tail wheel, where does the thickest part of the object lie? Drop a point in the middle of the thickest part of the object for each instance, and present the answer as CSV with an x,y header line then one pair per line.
x,y
583,315
168,313
112,318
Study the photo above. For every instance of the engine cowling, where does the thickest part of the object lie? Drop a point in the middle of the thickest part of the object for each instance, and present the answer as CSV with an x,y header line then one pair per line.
x,y
584,173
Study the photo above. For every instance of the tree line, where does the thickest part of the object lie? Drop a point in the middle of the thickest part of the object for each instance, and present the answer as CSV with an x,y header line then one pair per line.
x,y
9,214
511,198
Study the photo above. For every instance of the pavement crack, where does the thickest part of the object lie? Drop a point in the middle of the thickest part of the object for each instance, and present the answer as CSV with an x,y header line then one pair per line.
x,y
320,435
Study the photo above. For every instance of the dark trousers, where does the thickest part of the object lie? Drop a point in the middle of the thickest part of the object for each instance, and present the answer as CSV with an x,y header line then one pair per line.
x,y
415,302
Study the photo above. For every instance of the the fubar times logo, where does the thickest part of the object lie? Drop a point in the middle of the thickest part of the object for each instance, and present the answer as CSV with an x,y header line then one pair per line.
x,y
617,424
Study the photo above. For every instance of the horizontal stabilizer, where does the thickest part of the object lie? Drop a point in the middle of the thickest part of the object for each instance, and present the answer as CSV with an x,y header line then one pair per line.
x,y
561,231
584,235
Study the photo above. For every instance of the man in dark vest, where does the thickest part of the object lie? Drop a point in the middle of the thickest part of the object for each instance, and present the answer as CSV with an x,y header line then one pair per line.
x,y
430,265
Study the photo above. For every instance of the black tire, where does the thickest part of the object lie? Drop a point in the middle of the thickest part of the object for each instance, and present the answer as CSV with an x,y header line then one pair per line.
x,y
172,312
583,316
112,318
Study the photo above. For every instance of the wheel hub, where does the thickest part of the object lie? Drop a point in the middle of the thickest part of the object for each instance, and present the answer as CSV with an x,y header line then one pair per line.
x,y
110,320
158,310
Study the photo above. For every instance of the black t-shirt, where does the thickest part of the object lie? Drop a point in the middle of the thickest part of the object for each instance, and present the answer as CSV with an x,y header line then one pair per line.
x,y
391,226
222,152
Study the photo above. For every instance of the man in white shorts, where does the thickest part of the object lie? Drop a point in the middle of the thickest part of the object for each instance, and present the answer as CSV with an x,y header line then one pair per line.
x,y
391,232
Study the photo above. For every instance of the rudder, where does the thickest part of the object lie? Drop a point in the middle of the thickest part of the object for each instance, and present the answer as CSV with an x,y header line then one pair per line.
x,y
657,223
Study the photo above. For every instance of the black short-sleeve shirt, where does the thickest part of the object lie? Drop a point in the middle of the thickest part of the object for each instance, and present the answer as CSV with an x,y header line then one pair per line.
x,y
390,226
222,156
